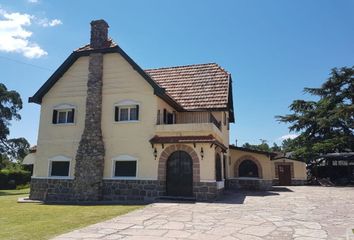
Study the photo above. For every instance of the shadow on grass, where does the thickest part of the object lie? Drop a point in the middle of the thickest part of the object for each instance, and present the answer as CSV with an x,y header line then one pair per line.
x,y
9,193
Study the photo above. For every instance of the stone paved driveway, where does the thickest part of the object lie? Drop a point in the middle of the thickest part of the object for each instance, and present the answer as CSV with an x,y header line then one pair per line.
x,y
301,213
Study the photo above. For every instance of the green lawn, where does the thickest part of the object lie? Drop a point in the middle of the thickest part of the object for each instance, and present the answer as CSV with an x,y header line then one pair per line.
x,y
40,221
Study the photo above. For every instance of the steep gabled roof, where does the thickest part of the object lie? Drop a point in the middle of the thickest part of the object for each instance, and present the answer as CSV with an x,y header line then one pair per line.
x,y
199,87
86,51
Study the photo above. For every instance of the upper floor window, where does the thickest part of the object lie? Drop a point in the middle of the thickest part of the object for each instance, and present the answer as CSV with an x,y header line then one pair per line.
x,y
63,114
127,110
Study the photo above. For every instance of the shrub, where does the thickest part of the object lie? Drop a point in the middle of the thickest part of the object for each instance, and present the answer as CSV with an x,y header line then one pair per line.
x,y
10,178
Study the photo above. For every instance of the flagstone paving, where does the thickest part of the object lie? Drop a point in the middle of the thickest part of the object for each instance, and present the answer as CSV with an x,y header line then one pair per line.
x,y
300,213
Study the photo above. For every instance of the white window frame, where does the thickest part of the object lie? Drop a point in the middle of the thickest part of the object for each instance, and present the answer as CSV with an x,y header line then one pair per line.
x,y
127,104
65,107
125,158
59,158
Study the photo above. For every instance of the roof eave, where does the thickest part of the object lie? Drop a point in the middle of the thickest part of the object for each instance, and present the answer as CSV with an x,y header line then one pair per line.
x,y
159,91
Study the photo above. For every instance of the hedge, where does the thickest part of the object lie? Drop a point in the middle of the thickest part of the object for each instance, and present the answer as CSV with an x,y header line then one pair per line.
x,y
10,178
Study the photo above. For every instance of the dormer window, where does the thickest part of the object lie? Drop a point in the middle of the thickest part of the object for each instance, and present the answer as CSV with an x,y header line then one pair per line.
x,y
63,114
126,111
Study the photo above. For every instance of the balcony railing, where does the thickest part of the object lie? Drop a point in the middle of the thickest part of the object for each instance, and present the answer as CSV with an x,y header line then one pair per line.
x,y
188,117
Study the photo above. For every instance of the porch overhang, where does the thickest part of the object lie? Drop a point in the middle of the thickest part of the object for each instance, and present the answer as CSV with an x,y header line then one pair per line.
x,y
188,139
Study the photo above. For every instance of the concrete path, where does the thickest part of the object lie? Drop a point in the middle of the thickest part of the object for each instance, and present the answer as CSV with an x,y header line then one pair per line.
x,y
301,213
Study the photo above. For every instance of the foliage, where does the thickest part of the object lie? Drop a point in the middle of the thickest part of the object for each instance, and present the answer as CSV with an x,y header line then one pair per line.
x,y
44,221
263,146
325,125
10,178
10,105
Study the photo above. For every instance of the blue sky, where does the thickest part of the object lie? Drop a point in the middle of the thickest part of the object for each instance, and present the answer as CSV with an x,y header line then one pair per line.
x,y
273,49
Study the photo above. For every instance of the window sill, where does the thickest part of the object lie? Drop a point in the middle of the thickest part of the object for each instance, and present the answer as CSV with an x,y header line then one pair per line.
x,y
123,178
132,121
63,124
56,177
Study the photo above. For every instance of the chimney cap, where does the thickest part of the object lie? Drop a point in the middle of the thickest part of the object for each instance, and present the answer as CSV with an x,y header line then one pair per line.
x,y
99,22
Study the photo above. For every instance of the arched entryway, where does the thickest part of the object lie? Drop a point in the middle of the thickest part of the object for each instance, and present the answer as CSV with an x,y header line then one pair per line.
x,y
179,174
248,168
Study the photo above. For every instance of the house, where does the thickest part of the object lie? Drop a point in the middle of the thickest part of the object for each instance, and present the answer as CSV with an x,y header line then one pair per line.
x,y
254,169
110,130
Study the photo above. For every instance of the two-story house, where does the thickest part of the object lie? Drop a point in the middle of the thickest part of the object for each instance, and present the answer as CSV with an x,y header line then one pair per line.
x,y
110,130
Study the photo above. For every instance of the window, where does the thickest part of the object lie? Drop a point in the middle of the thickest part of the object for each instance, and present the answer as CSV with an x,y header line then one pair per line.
x,y
63,114
248,169
59,166
218,167
125,166
126,111
125,169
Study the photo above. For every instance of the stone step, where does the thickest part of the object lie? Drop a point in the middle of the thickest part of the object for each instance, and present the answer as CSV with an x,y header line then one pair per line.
x,y
177,199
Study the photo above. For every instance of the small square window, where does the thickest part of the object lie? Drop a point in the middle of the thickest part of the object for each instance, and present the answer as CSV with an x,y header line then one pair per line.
x,y
125,169
60,168
126,113
63,116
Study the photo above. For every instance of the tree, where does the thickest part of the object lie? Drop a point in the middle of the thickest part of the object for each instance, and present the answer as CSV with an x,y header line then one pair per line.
x,y
325,125
10,105
260,147
276,148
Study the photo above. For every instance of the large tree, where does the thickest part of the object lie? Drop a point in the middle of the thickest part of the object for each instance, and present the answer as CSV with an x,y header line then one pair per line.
x,y
327,124
10,105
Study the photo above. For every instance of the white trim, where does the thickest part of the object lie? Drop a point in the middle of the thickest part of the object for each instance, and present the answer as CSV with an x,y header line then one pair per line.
x,y
126,102
248,178
59,158
64,106
129,178
207,180
55,177
124,157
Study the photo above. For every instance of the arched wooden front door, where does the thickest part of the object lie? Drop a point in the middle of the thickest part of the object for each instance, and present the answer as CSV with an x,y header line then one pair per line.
x,y
179,179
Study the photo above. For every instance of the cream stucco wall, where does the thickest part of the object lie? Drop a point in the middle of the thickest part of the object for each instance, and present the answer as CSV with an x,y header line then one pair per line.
x,y
122,82
263,160
62,140
300,172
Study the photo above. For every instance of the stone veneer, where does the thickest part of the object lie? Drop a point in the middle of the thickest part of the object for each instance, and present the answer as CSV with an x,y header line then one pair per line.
x,y
60,190
248,184
89,162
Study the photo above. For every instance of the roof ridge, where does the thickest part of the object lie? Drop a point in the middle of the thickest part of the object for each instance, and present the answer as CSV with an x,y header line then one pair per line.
x,y
188,65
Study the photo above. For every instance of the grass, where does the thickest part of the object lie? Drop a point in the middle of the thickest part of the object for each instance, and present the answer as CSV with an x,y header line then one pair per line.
x,y
41,221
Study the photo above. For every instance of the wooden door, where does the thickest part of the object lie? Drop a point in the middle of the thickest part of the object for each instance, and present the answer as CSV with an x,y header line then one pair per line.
x,y
284,174
179,180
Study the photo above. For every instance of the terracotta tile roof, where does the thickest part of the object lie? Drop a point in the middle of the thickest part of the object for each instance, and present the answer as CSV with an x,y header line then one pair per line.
x,y
200,86
187,139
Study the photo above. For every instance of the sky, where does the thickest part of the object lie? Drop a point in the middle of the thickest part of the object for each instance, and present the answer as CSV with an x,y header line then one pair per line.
x,y
273,49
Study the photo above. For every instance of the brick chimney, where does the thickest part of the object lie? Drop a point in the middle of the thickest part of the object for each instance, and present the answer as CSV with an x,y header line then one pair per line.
x,y
99,34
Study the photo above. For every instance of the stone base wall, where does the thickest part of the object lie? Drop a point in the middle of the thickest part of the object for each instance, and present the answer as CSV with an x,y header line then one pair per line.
x,y
132,190
294,182
206,191
117,190
51,189
249,184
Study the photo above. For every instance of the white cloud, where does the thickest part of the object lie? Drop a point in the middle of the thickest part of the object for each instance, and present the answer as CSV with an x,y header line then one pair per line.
x,y
287,136
33,1
49,23
14,35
